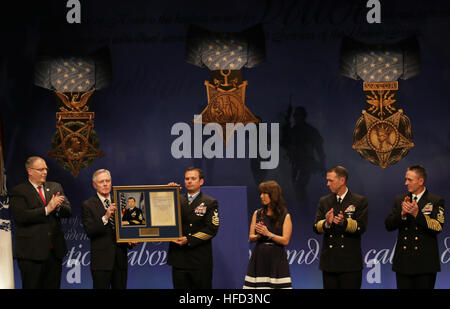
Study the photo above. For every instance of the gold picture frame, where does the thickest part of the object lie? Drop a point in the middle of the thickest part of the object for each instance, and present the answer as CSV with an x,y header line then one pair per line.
x,y
147,213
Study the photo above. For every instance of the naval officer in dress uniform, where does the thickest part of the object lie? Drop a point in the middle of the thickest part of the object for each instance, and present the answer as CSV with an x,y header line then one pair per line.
x,y
191,255
342,218
133,214
418,216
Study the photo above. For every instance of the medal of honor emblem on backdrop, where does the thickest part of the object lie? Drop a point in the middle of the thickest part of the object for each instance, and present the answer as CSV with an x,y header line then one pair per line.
x,y
225,54
383,133
74,80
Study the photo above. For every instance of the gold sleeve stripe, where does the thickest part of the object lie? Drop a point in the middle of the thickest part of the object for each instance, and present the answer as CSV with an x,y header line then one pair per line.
x,y
352,225
319,226
440,215
433,224
202,236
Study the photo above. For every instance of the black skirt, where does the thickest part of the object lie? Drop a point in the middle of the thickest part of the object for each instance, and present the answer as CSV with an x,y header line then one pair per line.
x,y
268,268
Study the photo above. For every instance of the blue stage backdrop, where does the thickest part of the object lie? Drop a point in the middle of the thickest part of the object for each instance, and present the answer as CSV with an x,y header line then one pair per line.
x,y
153,89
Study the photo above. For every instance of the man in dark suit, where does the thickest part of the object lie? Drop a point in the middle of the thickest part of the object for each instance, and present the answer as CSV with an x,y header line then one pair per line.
x,y
39,244
419,217
342,218
109,264
191,255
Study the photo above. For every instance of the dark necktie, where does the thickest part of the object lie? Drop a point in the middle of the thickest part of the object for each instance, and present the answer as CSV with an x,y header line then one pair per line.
x,y
339,200
111,219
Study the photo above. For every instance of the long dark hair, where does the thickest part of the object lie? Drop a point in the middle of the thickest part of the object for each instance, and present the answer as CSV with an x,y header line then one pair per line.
x,y
277,202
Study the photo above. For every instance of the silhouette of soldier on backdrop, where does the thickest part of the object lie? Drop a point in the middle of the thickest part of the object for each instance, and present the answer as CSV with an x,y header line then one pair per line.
x,y
304,148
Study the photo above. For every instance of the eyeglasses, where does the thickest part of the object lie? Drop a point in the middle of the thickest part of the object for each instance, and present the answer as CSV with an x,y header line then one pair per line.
x,y
40,169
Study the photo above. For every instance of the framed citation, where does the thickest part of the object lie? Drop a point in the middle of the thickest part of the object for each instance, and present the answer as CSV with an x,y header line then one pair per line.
x,y
147,213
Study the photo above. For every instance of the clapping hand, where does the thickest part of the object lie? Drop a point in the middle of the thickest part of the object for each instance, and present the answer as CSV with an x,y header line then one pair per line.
x,y
339,219
55,202
409,208
329,216
262,229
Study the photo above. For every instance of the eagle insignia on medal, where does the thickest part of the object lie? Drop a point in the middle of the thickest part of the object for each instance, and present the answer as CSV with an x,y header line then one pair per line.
x,y
74,80
383,134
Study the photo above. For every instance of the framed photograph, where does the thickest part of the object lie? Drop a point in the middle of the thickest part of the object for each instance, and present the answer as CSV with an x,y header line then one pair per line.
x,y
147,213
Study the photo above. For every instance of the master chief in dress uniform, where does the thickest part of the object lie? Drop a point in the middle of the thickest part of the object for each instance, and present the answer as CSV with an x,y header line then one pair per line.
x,y
419,217
342,218
191,256
133,214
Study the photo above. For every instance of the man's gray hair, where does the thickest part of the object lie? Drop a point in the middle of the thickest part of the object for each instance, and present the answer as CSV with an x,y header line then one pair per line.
x,y
29,162
100,171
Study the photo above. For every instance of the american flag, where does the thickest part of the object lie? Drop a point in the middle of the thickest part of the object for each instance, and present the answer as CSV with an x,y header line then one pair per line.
x,y
123,203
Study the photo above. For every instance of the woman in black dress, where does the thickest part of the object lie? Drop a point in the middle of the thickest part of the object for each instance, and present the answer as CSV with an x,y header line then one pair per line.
x,y
271,228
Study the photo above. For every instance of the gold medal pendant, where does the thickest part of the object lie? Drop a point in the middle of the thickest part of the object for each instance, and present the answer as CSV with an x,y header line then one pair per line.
x,y
226,101
383,134
75,143
74,80
225,54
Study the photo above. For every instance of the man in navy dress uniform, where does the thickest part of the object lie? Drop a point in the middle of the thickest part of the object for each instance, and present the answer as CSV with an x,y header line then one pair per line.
x,y
132,215
342,218
191,255
418,216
